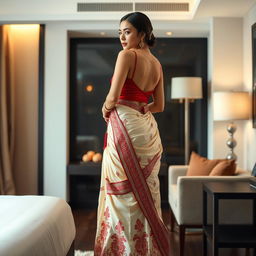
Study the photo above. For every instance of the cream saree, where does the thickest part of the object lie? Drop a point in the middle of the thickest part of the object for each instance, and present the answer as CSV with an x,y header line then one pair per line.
x,y
129,215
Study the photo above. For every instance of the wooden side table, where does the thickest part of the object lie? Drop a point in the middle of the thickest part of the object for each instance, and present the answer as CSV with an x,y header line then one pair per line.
x,y
228,236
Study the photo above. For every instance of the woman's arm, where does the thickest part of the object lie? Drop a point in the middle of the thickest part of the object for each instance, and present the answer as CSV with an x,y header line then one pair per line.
x,y
122,67
158,97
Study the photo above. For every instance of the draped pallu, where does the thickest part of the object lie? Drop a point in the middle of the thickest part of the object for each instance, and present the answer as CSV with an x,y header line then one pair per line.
x,y
129,212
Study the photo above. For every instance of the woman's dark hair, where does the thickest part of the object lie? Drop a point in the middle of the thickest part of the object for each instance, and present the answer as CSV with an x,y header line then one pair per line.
x,y
143,24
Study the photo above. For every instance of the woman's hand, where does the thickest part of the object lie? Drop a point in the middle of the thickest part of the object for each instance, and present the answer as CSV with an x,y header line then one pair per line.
x,y
106,112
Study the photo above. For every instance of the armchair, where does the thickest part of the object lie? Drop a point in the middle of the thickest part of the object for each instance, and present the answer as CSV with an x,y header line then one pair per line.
x,y
185,200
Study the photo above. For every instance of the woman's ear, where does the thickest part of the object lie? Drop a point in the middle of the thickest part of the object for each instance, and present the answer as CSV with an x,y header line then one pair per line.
x,y
142,36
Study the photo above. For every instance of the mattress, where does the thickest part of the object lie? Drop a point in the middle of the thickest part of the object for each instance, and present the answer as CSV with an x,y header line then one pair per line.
x,y
35,226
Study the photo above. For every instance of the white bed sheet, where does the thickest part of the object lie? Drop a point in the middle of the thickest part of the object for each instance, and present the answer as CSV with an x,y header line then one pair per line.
x,y
35,226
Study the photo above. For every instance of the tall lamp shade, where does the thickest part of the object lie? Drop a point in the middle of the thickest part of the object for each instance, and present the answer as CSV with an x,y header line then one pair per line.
x,y
186,89
231,106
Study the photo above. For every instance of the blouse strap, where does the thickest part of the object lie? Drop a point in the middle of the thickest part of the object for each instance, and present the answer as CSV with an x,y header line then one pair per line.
x,y
135,64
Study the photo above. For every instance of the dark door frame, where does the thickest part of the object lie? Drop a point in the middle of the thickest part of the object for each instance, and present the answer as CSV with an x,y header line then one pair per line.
x,y
40,178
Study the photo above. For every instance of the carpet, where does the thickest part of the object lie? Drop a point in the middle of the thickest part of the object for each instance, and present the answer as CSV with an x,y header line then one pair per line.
x,y
81,253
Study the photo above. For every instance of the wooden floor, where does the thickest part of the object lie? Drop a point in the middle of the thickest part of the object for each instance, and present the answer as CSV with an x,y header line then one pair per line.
x,y
85,221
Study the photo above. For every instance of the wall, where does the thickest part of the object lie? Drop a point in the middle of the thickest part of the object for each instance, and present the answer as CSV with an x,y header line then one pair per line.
x,y
25,42
230,68
56,111
249,132
225,74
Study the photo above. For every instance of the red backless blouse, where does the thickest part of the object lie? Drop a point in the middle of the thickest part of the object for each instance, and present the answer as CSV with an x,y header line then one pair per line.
x,y
131,91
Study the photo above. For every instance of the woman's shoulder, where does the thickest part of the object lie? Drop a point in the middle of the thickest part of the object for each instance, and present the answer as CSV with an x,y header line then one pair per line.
x,y
126,53
126,56
156,61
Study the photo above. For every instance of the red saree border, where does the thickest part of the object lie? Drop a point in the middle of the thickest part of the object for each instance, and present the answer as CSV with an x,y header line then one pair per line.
x,y
118,188
149,168
138,182
124,187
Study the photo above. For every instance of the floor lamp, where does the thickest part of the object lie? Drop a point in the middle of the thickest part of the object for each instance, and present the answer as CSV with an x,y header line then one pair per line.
x,y
231,106
186,89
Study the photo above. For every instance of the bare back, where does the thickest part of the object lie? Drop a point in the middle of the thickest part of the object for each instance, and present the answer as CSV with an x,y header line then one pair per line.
x,y
147,71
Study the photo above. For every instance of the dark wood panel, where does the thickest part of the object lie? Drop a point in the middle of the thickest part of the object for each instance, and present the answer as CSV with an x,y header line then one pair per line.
x,y
87,169
41,111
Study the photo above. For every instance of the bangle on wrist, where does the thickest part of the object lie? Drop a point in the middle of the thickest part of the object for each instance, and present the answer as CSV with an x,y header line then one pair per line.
x,y
107,109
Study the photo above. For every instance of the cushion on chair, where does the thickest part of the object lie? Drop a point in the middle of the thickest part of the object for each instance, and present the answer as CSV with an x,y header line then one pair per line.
x,y
224,168
185,197
201,166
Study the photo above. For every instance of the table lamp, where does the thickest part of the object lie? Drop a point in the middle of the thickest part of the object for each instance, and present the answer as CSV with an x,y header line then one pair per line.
x,y
186,89
231,106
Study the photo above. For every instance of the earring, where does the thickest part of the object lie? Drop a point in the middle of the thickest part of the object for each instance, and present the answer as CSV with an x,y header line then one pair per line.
x,y
141,44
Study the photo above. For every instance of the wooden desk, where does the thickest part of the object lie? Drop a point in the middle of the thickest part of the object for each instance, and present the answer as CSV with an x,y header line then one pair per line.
x,y
228,236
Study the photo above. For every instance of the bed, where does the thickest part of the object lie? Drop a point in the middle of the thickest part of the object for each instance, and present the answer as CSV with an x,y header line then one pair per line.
x,y
36,226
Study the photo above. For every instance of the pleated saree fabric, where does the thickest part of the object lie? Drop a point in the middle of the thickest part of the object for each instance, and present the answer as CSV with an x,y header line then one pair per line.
x,y
129,214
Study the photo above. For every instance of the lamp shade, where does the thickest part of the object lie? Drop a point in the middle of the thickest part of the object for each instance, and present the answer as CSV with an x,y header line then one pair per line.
x,y
231,105
186,88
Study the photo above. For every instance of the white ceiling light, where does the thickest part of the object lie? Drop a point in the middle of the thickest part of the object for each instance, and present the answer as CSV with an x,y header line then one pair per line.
x,y
168,33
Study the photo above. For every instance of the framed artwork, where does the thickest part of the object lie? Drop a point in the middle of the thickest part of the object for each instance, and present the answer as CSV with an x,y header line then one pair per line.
x,y
254,75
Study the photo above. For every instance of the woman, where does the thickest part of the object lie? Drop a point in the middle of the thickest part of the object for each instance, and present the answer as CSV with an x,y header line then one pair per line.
x,y
129,214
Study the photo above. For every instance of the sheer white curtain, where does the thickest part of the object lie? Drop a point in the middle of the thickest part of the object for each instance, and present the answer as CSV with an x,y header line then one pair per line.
x,y
7,105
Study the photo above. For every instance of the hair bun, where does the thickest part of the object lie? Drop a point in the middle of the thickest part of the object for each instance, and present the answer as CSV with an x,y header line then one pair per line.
x,y
152,40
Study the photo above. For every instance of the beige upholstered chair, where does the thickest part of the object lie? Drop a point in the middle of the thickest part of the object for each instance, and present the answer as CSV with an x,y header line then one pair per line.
x,y
185,200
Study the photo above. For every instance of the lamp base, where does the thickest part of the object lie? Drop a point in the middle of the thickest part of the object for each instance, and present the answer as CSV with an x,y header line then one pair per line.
x,y
231,155
231,142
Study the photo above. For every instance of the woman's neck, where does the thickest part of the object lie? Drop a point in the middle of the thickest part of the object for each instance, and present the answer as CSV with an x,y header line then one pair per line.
x,y
145,49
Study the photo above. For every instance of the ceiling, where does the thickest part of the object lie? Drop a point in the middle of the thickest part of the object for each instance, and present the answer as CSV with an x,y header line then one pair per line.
x,y
192,23
52,10
223,8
